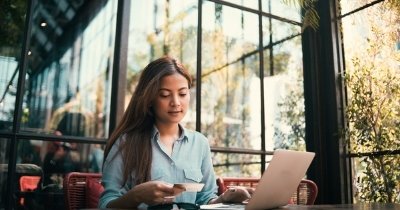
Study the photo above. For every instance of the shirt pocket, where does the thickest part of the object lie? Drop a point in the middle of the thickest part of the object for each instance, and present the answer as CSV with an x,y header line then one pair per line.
x,y
193,175
157,175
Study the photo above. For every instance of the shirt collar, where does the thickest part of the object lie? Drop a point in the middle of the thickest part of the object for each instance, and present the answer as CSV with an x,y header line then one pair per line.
x,y
155,133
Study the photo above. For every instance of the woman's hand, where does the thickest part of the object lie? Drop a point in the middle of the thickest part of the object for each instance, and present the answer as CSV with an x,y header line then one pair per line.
x,y
155,192
236,194
150,193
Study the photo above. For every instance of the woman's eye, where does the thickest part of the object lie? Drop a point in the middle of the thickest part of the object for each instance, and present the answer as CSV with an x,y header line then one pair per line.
x,y
183,94
164,96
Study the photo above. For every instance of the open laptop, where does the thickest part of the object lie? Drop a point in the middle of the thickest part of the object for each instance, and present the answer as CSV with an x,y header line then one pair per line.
x,y
277,184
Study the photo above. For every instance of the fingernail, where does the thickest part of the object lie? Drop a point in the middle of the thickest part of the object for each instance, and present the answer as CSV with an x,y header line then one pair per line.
x,y
232,190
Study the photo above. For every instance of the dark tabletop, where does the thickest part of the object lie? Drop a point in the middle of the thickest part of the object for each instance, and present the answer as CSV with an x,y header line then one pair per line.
x,y
363,206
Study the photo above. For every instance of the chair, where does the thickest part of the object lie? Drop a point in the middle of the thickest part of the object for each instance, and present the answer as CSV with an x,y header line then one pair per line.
x,y
75,189
28,178
225,182
28,184
306,193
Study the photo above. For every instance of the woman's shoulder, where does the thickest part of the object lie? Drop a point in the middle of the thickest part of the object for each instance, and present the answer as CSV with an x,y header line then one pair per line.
x,y
119,142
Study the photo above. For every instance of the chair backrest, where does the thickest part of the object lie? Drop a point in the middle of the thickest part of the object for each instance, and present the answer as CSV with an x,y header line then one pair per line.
x,y
224,182
26,184
75,189
29,183
306,193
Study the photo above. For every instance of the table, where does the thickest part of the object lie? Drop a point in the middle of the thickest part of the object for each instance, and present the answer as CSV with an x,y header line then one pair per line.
x,y
363,206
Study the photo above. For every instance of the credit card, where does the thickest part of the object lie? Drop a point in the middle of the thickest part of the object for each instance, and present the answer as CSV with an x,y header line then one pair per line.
x,y
190,187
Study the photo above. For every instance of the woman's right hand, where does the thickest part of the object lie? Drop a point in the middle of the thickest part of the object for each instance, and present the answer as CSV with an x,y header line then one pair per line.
x,y
155,192
150,193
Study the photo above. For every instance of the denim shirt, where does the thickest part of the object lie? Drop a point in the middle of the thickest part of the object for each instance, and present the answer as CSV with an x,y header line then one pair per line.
x,y
190,162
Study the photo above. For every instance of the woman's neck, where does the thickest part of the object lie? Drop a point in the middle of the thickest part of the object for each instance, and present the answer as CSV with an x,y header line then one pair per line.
x,y
168,135
168,132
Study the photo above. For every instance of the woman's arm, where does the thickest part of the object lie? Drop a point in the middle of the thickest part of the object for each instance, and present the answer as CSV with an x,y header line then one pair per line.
x,y
150,193
118,194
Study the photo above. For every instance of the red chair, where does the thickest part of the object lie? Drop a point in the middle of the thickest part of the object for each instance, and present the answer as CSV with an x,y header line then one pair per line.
x,y
76,190
306,193
225,182
28,184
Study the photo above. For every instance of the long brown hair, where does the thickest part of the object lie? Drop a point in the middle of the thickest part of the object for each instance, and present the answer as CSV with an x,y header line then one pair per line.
x,y
138,120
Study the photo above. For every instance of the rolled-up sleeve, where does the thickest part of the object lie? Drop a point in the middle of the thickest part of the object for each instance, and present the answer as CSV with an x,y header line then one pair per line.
x,y
112,178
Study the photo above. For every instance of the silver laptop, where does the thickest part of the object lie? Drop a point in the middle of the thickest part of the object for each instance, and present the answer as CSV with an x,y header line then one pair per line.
x,y
278,183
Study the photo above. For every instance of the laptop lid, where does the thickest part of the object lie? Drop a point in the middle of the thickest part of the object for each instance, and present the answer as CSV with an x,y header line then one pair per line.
x,y
280,180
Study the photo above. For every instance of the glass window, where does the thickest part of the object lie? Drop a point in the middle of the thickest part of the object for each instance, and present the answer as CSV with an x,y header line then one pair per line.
x,y
285,9
230,84
69,69
160,28
280,31
284,97
252,4
350,5
46,163
236,165
12,22
4,157
371,47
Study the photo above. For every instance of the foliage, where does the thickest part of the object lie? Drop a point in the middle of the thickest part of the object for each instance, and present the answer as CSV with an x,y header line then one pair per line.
x,y
310,17
373,113
394,5
12,19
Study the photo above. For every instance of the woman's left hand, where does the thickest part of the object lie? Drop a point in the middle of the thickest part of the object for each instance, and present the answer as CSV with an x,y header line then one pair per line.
x,y
236,194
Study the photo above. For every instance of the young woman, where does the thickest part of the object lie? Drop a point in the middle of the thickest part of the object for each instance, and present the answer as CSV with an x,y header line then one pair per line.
x,y
149,150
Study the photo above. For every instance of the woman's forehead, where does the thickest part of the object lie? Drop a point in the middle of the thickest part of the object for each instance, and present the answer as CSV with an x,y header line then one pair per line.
x,y
174,81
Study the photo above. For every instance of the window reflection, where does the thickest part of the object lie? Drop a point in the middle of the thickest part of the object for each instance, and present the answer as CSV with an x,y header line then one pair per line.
x,y
50,161
69,68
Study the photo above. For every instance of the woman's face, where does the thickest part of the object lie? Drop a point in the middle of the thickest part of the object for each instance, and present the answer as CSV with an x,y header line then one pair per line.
x,y
172,100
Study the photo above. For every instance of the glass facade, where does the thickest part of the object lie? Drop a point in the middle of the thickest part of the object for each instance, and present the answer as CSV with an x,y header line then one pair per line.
x,y
67,89
251,95
11,33
231,90
65,97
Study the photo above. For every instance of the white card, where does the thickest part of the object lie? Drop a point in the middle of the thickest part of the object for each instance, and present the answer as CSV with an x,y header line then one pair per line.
x,y
190,187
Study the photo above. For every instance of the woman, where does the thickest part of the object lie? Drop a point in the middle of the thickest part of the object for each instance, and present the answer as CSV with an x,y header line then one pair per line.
x,y
149,150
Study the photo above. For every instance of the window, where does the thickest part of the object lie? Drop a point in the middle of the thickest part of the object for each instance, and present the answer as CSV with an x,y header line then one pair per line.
x,y
372,69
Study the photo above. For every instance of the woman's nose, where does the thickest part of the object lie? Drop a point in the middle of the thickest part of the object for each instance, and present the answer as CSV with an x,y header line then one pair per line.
x,y
175,100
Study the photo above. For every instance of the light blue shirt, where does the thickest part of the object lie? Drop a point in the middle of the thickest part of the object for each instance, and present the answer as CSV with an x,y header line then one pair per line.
x,y
190,162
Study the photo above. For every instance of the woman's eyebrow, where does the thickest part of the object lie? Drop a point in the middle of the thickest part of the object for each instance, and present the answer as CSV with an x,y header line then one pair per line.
x,y
166,89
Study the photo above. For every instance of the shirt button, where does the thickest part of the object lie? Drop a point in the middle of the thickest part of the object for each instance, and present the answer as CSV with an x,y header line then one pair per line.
x,y
172,164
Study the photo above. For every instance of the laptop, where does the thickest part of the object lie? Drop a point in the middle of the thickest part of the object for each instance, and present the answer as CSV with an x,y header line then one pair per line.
x,y
278,182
